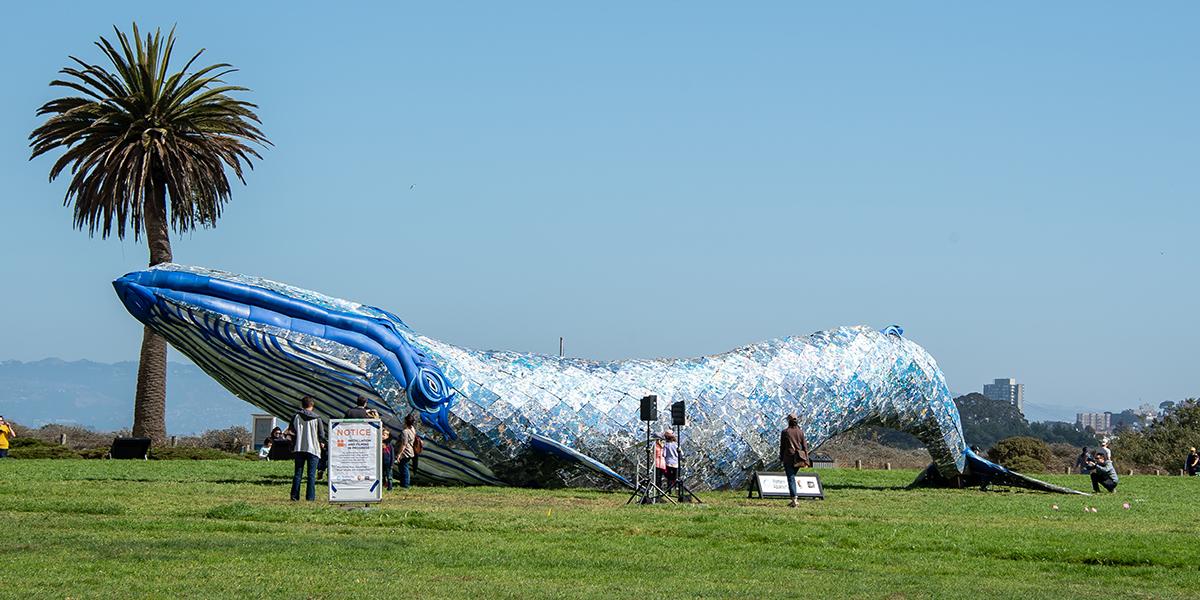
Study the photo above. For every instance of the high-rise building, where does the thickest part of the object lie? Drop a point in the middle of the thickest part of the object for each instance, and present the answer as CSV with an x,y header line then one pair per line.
x,y
1006,390
1099,422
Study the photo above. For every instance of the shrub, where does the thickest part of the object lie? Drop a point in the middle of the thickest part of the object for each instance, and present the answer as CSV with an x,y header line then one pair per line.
x,y
230,439
42,450
1008,451
1026,464
28,442
190,454
78,437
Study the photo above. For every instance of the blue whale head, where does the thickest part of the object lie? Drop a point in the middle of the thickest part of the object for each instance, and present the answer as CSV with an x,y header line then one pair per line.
x,y
271,344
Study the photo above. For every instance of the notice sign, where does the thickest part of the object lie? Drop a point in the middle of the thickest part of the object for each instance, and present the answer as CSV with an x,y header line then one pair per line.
x,y
355,460
775,485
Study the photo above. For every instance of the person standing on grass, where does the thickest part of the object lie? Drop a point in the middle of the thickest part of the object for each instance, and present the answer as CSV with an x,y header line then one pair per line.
x,y
306,450
6,432
408,436
389,457
660,463
1192,464
1082,461
1107,452
359,411
671,458
1103,473
793,452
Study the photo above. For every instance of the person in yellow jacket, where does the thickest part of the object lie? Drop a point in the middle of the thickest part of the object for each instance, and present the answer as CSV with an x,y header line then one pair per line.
x,y
6,433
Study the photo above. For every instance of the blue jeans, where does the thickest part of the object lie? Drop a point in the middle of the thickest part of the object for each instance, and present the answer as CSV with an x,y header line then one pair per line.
x,y
305,461
387,474
790,471
4,453
405,473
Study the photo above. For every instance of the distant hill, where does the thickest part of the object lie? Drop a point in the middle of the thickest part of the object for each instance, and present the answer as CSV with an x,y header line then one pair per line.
x,y
100,395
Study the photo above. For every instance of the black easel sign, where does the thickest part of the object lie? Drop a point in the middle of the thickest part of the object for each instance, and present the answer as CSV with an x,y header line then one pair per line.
x,y
774,485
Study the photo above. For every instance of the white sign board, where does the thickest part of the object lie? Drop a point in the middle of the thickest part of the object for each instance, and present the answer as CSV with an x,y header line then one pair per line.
x,y
775,485
355,460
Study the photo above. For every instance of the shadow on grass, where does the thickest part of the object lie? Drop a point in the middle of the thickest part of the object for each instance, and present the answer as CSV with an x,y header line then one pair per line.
x,y
859,486
261,480
271,480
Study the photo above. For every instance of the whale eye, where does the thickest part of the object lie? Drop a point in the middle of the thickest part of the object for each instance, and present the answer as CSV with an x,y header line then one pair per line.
x,y
428,390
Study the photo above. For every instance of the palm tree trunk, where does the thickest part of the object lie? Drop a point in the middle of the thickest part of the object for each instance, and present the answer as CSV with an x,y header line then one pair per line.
x,y
150,404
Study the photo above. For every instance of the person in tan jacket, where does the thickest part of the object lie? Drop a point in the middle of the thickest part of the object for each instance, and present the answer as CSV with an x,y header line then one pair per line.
x,y
405,454
793,452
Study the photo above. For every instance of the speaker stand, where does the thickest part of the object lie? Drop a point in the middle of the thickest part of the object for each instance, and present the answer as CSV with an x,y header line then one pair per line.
x,y
685,494
648,492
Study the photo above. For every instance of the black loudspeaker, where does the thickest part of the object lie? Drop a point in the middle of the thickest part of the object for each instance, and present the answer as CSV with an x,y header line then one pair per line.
x,y
281,449
127,448
650,408
678,416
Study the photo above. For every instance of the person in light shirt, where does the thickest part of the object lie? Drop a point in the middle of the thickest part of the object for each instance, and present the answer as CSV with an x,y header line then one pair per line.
x,y
408,436
671,458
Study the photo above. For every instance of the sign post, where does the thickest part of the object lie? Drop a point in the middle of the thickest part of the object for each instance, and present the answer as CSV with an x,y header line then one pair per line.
x,y
775,485
355,460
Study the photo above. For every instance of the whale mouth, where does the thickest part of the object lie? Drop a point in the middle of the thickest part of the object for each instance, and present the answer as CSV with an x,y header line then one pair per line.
x,y
268,332
137,298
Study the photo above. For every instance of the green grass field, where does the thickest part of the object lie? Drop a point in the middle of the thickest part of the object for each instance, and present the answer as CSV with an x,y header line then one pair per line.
x,y
165,529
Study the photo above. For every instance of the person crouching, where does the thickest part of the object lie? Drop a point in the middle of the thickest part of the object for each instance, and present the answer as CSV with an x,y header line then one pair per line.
x,y
1103,473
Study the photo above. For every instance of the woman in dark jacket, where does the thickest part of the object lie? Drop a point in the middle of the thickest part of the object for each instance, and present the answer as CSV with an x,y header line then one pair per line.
x,y
793,452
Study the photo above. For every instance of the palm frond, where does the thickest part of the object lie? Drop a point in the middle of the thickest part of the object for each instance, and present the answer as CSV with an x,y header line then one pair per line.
x,y
136,125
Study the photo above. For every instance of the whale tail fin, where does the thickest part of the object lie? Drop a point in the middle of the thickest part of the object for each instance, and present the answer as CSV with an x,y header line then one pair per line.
x,y
985,473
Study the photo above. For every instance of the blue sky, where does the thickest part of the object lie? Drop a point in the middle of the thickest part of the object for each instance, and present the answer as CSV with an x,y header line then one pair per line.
x,y
1014,185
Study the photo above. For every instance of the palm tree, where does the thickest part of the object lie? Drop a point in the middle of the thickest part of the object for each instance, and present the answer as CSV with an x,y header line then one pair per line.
x,y
135,137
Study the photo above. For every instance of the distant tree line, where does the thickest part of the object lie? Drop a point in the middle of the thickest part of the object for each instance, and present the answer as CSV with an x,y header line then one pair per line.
x,y
1165,442
986,421
84,442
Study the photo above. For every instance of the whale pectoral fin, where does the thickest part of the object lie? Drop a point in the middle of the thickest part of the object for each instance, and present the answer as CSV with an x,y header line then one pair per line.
x,y
541,443
985,473
440,421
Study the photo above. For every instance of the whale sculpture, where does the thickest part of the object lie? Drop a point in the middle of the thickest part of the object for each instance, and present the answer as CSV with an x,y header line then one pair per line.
x,y
508,418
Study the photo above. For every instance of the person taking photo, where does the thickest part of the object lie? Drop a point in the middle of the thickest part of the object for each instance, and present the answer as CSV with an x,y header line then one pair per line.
x,y
1103,473
6,433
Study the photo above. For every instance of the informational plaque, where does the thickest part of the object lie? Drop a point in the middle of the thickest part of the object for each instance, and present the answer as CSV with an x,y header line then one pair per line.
x,y
355,460
775,485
